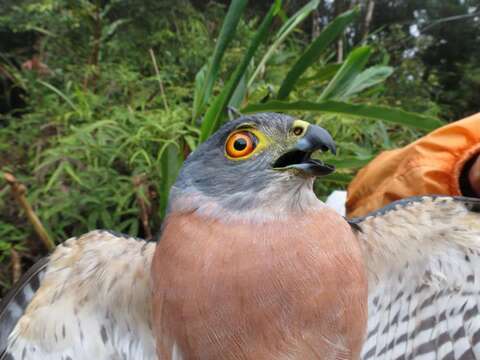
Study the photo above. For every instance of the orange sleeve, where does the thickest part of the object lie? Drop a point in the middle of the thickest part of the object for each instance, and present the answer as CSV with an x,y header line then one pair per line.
x,y
431,165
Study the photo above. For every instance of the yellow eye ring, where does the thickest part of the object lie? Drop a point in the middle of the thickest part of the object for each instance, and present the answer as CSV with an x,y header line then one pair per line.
x,y
240,144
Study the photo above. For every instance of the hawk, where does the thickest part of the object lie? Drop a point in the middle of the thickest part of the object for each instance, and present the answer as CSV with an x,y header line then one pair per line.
x,y
252,265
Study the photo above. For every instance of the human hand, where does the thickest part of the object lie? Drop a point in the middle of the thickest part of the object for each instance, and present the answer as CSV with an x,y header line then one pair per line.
x,y
474,176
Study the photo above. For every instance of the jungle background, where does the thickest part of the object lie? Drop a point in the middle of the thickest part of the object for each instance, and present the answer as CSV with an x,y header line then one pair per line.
x,y
101,100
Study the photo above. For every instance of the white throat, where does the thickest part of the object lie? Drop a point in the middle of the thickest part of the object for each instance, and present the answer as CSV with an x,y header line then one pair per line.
x,y
277,201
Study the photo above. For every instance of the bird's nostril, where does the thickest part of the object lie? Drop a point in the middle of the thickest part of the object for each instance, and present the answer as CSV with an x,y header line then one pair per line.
x,y
297,130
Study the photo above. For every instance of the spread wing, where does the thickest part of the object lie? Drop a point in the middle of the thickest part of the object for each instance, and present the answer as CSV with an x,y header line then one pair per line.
x,y
93,303
423,257
16,301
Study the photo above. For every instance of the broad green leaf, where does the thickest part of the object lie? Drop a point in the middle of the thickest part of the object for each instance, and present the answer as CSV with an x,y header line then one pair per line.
x,y
372,112
211,120
284,31
316,48
344,77
227,33
368,78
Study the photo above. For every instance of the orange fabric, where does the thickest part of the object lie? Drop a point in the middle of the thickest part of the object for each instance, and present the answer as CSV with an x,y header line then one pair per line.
x,y
430,165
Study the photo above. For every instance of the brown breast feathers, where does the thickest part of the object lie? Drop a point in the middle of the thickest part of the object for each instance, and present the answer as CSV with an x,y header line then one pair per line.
x,y
285,289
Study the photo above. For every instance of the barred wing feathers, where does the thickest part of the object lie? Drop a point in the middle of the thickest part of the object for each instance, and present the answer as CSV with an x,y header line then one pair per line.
x,y
16,301
93,303
423,260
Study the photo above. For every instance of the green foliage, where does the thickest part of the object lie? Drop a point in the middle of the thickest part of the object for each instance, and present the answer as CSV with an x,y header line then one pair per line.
x,y
211,121
316,48
207,76
107,127
373,112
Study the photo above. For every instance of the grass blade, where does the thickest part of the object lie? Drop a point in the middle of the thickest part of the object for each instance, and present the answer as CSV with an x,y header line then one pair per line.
x,y
59,93
313,52
284,31
370,77
345,76
207,80
171,162
393,115
211,120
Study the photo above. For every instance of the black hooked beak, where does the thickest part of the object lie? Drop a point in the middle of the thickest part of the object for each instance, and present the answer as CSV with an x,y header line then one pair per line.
x,y
314,138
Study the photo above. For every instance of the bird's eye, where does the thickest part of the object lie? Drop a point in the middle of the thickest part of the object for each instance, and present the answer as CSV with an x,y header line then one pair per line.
x,y
240,144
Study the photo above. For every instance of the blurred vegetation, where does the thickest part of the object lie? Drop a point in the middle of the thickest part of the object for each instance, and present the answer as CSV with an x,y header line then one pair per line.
x,y
103,99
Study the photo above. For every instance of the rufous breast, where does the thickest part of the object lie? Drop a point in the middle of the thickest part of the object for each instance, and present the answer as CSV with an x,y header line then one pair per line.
x,y
292,288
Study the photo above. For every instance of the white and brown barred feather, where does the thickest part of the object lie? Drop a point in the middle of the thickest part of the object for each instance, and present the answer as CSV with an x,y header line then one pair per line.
x,y
16,301
93,303
424,279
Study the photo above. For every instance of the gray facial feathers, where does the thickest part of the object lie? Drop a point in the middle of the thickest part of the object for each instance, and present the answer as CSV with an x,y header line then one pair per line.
x,y
210,172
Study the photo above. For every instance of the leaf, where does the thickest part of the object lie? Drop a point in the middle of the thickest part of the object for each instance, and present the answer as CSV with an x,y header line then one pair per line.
x,y
54,178
325,73
227,33
198,93
239,93
111,28
71,172
190,140
282,33
142,153
344,77
368,78
313,52
59,93
372,112
107,221
211,120
92,220
170,165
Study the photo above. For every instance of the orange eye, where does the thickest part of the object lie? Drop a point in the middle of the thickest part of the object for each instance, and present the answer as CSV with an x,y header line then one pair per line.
x,y
240,144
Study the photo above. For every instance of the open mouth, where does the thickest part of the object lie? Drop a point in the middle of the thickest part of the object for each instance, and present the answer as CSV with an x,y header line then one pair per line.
x,y
302,161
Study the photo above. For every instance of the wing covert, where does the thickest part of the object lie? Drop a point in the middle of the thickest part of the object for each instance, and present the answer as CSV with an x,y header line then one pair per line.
x,y
16,301
423,257
93,303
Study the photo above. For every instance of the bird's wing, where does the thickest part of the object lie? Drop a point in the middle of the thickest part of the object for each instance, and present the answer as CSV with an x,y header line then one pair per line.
x,y
16,301
93,303
423,258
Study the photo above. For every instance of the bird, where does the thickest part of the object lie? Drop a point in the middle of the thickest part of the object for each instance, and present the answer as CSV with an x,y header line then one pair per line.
x,y
250,264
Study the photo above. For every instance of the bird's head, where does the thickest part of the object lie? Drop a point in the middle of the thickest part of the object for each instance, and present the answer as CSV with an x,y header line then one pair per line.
x,y
256,164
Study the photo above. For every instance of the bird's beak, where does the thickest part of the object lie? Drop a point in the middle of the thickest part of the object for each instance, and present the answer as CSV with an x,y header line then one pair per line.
x,y
314,138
